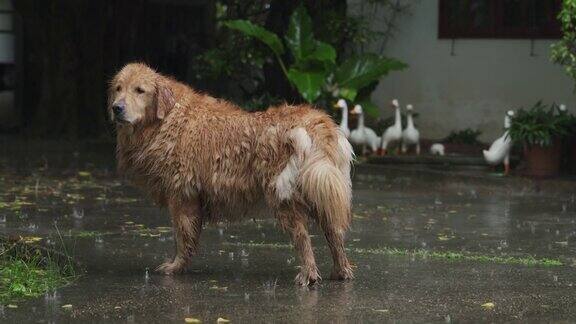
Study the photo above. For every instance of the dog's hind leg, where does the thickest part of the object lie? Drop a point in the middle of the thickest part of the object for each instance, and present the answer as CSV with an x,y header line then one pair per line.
x,y
342,269
293,220
187,223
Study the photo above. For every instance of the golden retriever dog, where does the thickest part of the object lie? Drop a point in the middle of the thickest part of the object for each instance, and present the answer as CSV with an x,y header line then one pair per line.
x,y
209,161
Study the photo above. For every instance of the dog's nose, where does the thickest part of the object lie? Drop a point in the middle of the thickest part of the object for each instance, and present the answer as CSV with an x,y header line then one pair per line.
x,y
118,109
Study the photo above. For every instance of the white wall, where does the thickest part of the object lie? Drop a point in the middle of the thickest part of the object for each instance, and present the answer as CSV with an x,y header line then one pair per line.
x,y
475,87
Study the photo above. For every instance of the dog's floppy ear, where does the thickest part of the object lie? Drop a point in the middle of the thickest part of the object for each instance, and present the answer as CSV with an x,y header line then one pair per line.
x,y
165,99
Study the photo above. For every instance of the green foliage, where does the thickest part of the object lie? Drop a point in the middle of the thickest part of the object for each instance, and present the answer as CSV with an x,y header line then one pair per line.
x,y
564,51
258,32
314,71
360,71
308,83
465,136
540,125
26,272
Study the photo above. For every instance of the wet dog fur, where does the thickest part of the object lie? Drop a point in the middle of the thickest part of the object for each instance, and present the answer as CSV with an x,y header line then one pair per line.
x,y
207,160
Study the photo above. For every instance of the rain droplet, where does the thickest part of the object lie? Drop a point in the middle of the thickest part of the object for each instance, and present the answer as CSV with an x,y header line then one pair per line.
x,y
77,213
51,296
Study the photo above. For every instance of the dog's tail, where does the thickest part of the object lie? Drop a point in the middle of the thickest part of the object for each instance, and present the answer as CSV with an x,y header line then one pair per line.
x,y
325,177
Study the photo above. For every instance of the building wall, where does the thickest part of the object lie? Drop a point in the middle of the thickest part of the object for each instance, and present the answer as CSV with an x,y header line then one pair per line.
x,y
473,88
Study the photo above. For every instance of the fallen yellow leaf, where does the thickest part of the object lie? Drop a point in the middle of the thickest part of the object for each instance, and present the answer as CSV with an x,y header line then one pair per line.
x,y
488,305
67,306
219,288
222,320
192,320
30,239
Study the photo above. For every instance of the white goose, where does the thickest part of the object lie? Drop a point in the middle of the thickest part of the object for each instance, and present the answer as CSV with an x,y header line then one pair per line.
x,y
363,135
437,149
410,135
344,121
499,151
394,132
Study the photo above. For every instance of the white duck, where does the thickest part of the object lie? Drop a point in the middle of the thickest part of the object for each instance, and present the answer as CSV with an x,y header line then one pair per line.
x,y
344,121
394,132
437,149
410,135
500,150
363,135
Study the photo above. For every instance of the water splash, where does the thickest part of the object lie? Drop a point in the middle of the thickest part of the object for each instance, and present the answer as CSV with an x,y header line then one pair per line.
x,y
51,296
270,286
77,213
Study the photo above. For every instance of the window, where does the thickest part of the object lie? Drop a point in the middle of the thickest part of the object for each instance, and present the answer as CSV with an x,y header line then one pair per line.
x,y
499,19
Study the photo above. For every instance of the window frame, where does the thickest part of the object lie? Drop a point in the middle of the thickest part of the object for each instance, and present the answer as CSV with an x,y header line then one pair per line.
x,y
497,30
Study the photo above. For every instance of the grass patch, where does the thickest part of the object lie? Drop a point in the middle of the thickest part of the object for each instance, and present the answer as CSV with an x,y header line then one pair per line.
x,y
28,271
427,254
260,245
461,256
87,234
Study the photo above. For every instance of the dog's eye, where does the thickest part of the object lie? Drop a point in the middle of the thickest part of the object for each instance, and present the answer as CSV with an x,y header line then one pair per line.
x,y
118,88
140,90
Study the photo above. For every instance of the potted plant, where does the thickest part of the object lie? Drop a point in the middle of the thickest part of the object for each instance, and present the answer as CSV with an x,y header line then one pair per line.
x,y
541,131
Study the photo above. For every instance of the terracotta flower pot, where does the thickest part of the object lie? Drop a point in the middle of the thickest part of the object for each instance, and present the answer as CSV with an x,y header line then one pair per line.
x,y
543,161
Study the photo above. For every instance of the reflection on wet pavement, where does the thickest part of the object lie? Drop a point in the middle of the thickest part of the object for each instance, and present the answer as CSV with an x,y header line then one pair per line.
x,y
428,246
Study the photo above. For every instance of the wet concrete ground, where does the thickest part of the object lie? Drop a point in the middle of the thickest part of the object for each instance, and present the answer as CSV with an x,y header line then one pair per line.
x,y
244,272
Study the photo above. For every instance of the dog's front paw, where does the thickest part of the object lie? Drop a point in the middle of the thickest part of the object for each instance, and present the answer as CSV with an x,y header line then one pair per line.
x,y
345,273
307,277
170,268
